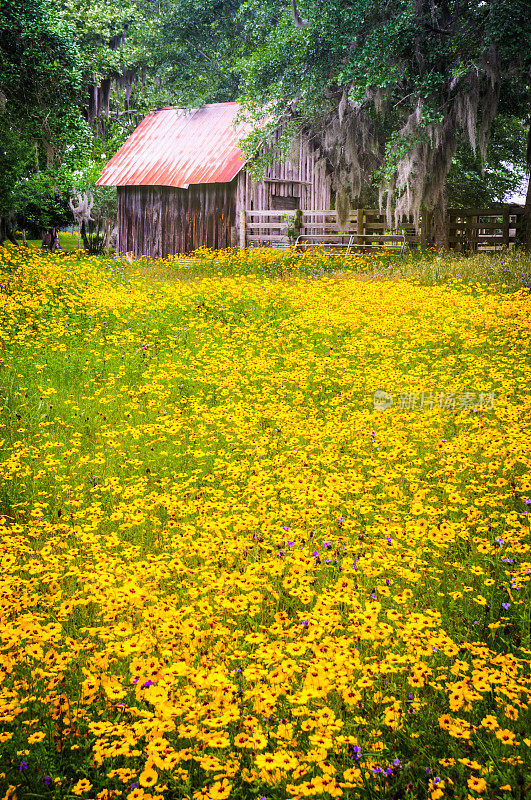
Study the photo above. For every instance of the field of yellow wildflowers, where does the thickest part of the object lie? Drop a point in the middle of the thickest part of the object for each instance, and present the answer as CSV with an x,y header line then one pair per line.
x,y
227,569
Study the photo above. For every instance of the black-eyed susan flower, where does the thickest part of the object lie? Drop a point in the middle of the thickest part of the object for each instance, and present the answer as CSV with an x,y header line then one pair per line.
x,y
81,787
148,777
505,736
476,784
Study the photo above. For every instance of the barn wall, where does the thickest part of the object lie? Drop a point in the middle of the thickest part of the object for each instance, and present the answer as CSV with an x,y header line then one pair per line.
x,y
157,221
301,176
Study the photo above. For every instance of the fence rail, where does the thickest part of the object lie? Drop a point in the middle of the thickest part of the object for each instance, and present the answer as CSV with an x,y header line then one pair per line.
x,y
469,229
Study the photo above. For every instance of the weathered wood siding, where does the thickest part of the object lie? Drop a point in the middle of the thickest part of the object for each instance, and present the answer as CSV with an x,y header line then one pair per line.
x,y
302,175
157,221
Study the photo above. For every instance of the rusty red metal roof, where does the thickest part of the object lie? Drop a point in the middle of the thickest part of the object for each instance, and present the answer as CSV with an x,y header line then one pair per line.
x,y
176,147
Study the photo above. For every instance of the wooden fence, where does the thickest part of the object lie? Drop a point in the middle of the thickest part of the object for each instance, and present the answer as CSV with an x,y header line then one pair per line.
x,y
469,229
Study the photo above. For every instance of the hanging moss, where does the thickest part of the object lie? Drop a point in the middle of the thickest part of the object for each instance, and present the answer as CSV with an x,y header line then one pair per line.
x,y
342,207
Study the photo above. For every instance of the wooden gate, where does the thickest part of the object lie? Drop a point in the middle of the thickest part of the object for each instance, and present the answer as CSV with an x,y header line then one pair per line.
x,y
484,229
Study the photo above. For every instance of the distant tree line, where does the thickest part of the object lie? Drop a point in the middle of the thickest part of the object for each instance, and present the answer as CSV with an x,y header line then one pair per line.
x,y
415,104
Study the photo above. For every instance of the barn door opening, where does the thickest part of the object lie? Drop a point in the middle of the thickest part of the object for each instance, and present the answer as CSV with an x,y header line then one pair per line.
x,y
284,203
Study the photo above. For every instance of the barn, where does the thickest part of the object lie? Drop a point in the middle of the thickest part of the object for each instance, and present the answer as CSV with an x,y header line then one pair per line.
x,y
182,181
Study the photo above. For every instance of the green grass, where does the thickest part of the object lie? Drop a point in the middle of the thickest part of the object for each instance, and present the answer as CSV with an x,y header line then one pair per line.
x,y
507,270
68,242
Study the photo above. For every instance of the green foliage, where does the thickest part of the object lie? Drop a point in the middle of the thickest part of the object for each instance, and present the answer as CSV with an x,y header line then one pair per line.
x,y
115,131
39,77
194,47
41,200
472,182
408,71
42,131
93,24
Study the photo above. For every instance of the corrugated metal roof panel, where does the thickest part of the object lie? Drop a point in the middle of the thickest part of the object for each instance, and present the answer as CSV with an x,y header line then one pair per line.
x,y
175,147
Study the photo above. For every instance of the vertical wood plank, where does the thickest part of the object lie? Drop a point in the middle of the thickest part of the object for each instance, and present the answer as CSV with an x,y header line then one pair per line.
x,y
360,221
506,227
242,228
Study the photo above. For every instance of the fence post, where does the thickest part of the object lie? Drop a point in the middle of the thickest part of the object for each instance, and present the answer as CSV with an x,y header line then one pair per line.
x,y
462,231
297,223
505,228
474,232
466,241
360,221
243,241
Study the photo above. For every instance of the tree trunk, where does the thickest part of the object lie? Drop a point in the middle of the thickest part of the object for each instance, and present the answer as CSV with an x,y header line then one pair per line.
x,y
50,240
83,231
526,239
527,218
440,222
107,238
6,230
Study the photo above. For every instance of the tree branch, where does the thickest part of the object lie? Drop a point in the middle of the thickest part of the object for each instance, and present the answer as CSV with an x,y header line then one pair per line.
x,y
438,31
297,19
